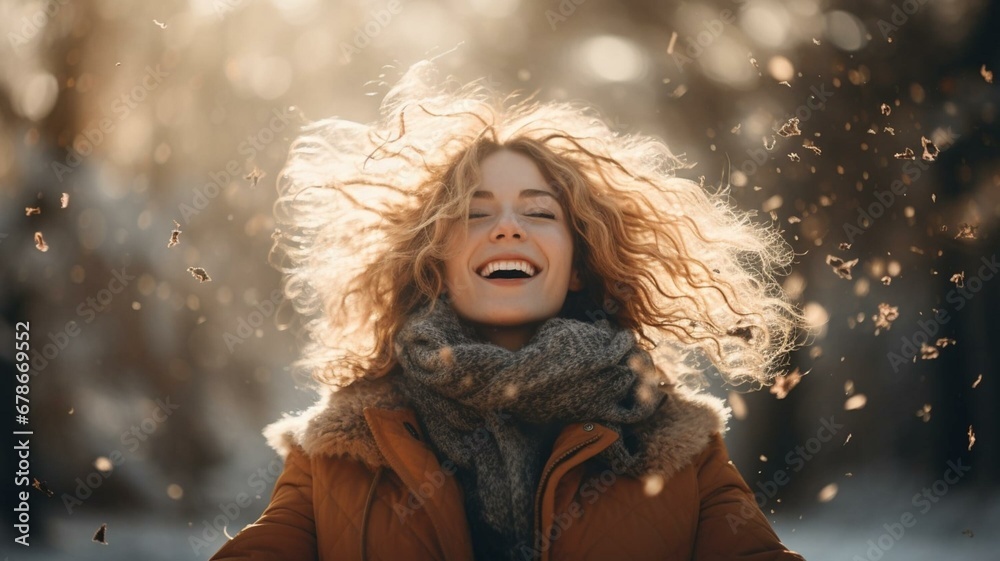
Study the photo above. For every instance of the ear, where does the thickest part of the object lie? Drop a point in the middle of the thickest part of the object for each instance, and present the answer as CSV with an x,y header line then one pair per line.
x,y
575,283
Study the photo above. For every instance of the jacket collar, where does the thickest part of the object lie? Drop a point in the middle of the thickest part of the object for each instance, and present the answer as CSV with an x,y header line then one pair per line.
x,y
360,421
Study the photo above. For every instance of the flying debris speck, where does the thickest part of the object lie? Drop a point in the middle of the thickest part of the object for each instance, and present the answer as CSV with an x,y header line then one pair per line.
x,y
254,176
944,342
199,273
767,146
972,438
906,154
924,412
791,128
855,402
930,150
41,486
753,61
986,74
101,535
809,145
784,383
815,41
162,25
40,242
794,157
31,210
928,352
976,383
64,200
736,129
844,246
886,315
958,279
827,494
886,109
968,532
175,235
965,232
887,280
841,267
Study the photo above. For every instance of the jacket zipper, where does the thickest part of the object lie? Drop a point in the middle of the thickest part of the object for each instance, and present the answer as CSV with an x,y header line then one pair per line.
x,y
545,476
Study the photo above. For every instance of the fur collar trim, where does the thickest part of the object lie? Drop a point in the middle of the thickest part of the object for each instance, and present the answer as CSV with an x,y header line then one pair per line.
x,y
336,425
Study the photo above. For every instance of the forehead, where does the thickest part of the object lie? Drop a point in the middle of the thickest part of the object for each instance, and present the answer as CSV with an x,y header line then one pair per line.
x,y
510,174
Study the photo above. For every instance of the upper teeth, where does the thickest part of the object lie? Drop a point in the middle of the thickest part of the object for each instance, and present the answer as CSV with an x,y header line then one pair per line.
x,y
490,268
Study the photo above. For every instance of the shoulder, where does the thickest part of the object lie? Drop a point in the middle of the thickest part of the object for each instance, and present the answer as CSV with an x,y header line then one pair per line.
x,y
682,431
335,425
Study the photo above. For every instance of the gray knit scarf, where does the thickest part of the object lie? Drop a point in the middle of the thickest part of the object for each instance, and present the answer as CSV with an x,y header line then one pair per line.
x,y
492,411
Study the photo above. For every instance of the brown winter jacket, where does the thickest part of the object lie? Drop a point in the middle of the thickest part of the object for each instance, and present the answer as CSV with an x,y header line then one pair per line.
x,y
360,483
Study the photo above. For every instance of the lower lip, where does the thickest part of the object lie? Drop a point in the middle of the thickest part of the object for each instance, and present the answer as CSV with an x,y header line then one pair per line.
x,y
509,282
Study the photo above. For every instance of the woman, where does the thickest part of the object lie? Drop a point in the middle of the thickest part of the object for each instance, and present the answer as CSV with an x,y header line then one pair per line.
x,y
505,267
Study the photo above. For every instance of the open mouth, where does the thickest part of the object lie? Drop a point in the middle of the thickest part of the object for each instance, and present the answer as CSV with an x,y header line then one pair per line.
x,y
508,270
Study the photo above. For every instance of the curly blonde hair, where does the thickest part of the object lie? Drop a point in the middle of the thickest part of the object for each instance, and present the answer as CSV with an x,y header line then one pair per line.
x,y
364,213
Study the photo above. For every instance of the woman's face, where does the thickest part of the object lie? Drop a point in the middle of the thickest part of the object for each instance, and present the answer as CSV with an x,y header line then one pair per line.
x,y
514,220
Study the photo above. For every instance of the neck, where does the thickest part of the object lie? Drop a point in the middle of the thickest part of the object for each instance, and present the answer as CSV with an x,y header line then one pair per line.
x,y
510,337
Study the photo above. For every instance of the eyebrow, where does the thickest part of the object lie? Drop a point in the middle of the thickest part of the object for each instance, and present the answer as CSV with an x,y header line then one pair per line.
x,y
525,194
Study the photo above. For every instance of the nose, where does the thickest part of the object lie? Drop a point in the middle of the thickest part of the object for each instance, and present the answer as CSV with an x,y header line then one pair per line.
x,y
507,226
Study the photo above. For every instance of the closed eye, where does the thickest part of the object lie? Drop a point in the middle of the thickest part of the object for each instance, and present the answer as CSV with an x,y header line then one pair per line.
x,y
535,214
